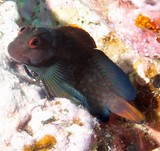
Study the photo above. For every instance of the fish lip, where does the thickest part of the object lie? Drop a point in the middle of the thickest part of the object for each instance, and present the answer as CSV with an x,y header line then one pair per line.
x,y
14,60
18,61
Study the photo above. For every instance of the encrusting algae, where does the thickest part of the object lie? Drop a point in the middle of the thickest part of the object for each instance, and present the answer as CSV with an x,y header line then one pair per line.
x,y
112,45
44,144
145,22
148,95
77,121
151,71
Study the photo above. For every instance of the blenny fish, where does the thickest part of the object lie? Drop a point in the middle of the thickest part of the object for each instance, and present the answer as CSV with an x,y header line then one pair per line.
x,y
69,65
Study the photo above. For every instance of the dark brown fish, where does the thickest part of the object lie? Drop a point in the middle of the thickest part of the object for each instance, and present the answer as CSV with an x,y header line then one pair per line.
x,y
69,65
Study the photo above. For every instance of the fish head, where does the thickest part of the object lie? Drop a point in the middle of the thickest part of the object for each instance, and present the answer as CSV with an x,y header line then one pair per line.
x,y
33,46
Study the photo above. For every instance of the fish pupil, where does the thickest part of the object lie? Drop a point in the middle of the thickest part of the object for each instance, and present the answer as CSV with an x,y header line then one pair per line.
x,y
34,42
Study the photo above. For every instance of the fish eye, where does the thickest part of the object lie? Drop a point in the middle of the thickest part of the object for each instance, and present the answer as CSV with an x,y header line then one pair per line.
x,y
21,30
34,42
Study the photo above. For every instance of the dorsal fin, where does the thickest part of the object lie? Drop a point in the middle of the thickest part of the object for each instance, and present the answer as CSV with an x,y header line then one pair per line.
x,y
119,81
78,35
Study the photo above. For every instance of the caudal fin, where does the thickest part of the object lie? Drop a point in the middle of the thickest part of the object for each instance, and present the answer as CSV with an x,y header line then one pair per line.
x,y
130,112
126,110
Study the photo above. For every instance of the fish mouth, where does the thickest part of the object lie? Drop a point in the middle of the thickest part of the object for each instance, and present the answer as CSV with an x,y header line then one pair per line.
x,y
14,54
17,57
13,60
19,61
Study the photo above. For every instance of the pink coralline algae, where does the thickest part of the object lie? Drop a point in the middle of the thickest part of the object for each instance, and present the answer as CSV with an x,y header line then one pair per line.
x,y
120,15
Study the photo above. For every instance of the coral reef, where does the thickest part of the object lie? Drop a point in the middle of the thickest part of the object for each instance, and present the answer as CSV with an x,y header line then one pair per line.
x,y
120,16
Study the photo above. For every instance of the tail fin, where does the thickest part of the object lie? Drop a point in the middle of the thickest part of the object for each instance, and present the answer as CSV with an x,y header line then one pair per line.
x,y
124,109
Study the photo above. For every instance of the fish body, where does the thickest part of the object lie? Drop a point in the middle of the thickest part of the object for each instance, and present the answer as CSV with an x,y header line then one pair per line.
x,y
69,64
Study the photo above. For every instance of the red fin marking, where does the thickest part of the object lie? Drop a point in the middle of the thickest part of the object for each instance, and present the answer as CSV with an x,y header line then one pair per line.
x,y
130,112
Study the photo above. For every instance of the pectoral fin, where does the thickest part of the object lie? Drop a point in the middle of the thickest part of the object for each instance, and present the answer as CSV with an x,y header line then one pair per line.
x,y
59,81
